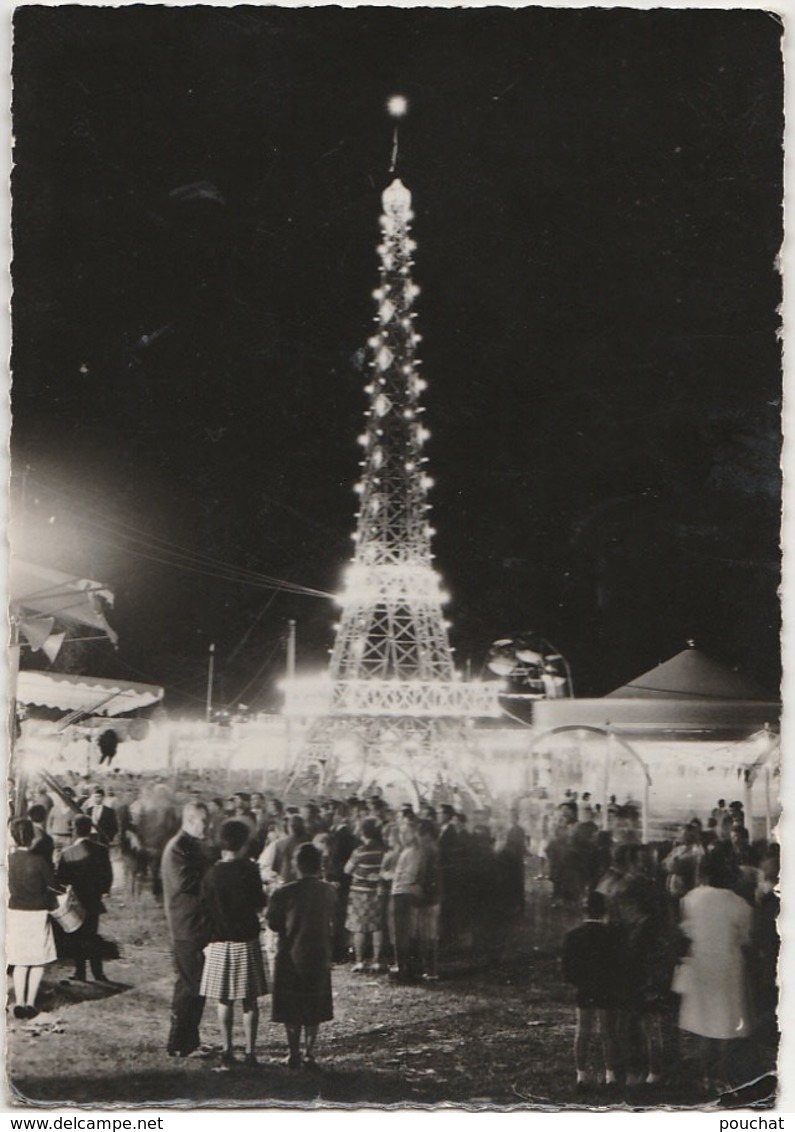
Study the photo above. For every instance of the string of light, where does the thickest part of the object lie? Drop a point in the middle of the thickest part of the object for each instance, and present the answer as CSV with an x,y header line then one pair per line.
x,y
152,547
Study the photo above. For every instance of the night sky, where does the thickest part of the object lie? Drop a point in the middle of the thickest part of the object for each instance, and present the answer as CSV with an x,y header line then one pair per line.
x,y
597,193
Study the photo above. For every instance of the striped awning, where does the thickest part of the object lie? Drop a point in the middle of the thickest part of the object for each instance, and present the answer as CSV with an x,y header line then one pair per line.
x,y
84,694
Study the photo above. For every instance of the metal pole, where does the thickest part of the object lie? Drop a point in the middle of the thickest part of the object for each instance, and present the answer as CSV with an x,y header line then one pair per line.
x,y
15,770
606,779
645,818
291,650
569,681
749,776
290,681
768,821
210,675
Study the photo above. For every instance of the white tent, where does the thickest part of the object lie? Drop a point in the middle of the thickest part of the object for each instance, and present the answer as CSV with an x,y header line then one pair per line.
x,y
683,734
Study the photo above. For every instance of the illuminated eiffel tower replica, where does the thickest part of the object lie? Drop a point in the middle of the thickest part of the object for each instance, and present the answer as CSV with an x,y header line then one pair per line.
x,y
392,689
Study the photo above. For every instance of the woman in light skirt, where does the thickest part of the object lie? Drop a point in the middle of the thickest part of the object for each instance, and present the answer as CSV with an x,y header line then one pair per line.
x,y
232,896
29,940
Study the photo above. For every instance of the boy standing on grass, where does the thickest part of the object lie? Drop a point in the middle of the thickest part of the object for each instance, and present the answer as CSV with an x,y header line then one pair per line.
x,y
592,961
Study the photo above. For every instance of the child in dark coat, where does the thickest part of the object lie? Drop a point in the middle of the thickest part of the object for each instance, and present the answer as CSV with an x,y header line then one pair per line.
x,y
592,961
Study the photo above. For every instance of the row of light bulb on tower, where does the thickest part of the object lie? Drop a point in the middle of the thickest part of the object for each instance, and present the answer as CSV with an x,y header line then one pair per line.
x,y
414,387
395,248
384,356
360,625
421,434
356,536
415,384
392,228
426,483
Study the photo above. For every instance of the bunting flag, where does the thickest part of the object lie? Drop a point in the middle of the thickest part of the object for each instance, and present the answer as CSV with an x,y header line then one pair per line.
x,y
52,646
36,631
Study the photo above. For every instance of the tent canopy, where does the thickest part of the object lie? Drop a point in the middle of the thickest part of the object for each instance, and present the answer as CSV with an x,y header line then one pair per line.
x,y
88,694
730,719
690,675
43,592
687,694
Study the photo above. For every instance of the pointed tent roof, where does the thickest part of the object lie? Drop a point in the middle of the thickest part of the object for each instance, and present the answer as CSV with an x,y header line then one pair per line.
x,y
690,675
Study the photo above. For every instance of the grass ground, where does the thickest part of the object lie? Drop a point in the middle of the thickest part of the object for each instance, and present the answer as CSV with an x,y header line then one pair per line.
x,y
500,1036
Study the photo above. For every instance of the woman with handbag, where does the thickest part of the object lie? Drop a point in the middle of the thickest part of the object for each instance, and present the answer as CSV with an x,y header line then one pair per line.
x,y
29,939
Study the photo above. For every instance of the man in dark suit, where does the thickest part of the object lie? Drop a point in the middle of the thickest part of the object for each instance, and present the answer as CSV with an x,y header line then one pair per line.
x,y
104,817
86,866
341,843
183,866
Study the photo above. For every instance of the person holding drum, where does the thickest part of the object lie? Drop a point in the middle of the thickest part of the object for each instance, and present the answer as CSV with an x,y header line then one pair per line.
x,y
86,866
30,945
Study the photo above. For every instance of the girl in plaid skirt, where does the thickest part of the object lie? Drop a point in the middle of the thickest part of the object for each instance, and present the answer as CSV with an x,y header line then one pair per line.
x,y
232,895
366,913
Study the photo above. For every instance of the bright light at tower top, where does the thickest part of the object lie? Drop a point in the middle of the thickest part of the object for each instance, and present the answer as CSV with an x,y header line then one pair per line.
x,y
397,106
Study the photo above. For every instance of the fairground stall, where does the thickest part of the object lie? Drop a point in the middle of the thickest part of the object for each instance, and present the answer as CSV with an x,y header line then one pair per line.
x,y
672,741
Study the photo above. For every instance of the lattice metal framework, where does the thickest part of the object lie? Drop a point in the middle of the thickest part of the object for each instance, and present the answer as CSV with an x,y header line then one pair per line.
x,y
392,625
391,670
392,654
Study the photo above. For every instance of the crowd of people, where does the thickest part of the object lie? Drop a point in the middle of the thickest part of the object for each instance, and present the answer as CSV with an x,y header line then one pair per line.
x,y
264,898
258,895
677,934
333,878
